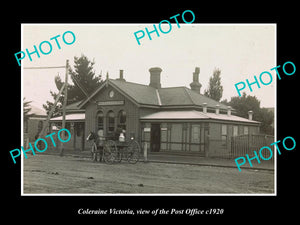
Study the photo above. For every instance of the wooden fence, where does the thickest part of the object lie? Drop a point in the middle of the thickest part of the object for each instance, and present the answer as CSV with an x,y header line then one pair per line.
x,y
247,144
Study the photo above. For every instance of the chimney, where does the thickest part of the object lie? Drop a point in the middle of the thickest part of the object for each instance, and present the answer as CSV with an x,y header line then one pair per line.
x,y
250,114
204,105
155,77
217,109
121,76
229,110
195,85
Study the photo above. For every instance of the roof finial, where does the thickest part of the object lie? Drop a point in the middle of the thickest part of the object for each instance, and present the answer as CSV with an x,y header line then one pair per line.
x,y
106,81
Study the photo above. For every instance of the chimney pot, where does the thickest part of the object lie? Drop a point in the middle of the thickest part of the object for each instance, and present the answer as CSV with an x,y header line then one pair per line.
x,y
229,110
204,105
155,77
217,109
121,78
250,114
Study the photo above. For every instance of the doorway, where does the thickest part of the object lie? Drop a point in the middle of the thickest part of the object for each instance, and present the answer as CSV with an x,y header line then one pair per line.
x,y
155,137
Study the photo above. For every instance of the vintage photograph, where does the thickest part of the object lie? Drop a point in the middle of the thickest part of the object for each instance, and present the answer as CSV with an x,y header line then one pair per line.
x,y
104,115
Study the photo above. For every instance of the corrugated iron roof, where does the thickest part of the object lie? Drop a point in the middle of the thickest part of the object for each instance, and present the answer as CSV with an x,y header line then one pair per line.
x,y
193,115
162,97
71,117
142,94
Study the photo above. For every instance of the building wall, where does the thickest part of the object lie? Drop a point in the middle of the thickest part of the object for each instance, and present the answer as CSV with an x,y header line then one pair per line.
x,y
90,119
76,142
203,138
35,125
131,109
188,137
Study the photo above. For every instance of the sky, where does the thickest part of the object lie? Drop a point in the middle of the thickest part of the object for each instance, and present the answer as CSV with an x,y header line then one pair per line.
x,y
240,51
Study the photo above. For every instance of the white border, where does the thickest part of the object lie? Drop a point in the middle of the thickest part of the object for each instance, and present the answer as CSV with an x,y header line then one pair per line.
x,y
22,128
156,194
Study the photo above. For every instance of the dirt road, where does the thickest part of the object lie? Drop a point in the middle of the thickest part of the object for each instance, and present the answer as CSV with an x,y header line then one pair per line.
x,y
46,174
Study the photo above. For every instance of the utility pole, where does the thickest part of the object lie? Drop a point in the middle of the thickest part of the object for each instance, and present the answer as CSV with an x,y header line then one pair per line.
x,y
51,112
64,89
64,108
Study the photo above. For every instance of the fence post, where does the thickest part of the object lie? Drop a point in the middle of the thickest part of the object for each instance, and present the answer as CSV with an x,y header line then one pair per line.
x,y
206,143
231,155
249,142
145,152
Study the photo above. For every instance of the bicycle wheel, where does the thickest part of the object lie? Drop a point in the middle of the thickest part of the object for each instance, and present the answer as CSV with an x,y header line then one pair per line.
x,y
110,152
133,152
116,153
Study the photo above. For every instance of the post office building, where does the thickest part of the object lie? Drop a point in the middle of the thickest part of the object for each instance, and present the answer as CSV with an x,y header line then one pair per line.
x,y
173,119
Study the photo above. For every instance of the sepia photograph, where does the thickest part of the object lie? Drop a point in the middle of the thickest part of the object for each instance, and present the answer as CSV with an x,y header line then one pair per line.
x,y
191,111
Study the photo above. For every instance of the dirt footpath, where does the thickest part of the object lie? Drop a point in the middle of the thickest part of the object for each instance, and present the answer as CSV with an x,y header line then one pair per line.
x,y
46,174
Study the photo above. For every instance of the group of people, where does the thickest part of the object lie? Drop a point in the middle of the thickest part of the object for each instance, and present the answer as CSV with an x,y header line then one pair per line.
x,y
119,135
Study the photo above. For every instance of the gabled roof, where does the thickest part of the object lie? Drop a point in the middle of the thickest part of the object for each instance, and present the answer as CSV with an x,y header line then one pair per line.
x,y
142,94
162,97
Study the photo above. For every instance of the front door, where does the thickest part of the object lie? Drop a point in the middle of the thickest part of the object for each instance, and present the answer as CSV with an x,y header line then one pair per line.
x,y
155,138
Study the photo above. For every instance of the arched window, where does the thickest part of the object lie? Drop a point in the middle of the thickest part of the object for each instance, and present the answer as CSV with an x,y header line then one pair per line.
x,y
122,119
110,122
100,120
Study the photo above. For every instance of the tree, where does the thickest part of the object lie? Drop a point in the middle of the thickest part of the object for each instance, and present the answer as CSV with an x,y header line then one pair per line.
x,y
246,103
83,77
215,89
48,106
83,74
267,118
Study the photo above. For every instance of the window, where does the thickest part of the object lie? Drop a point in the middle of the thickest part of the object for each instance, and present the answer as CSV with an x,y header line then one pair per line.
x,y
122,120
195,133
100,120
235,130
246,130
241,129
163,136
176,137
224,132
110,122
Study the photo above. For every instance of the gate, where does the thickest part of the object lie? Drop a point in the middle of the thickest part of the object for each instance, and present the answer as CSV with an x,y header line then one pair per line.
x,y
247,144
